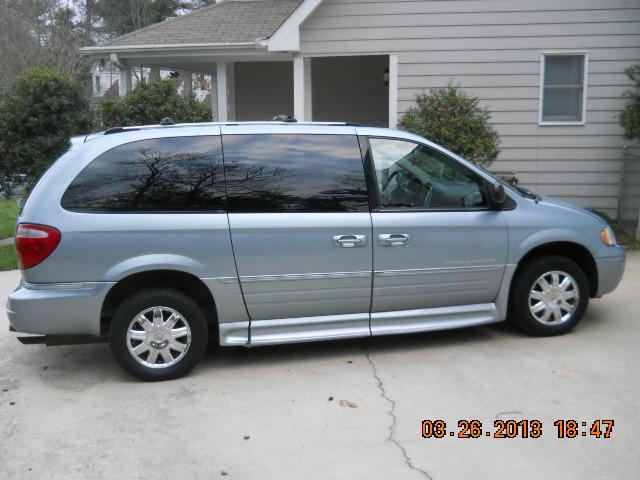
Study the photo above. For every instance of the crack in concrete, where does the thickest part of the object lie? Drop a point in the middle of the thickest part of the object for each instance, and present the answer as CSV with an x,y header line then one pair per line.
x,y
394,420
508,412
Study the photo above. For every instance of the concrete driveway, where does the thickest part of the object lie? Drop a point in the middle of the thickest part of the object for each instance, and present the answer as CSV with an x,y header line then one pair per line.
x,y
350,409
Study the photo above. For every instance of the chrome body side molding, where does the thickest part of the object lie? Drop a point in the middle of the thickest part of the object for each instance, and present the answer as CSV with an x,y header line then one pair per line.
x,y
65,286
303,276
437,270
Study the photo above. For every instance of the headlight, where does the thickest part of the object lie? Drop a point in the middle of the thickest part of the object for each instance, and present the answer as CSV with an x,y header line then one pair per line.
x,y
607,236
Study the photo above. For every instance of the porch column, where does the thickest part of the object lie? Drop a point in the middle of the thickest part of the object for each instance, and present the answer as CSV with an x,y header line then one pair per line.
x,y
154,73
226,92
231,91
188,82
302,101
393,91
124,80
214,98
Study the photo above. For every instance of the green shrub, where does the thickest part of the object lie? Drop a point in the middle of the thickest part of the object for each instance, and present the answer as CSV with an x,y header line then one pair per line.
x,y
39,112
630,117
149,103
450,117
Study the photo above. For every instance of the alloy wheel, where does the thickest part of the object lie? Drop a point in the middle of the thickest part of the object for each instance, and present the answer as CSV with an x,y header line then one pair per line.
x,y
554,298
158,337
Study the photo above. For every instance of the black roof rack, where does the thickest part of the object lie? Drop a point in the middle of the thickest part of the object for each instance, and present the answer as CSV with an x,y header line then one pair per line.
x,y
109,131
167,122
344,124
284,118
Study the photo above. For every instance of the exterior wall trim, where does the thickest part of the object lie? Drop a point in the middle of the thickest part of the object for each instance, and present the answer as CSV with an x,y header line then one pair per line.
x,y
287,36
584,85
393,91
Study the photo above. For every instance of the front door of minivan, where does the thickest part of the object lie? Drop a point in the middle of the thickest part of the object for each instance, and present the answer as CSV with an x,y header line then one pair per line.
x,y
439,252
300,229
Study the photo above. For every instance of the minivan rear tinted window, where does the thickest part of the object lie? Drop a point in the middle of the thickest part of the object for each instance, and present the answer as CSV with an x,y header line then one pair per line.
x,y
294,173
176,174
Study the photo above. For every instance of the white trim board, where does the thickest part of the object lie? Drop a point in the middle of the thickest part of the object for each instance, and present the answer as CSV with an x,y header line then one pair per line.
x,y
393,91
287,36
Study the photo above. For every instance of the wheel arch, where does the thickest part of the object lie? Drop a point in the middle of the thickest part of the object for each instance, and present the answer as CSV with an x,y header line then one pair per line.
x,y
571,250
177,279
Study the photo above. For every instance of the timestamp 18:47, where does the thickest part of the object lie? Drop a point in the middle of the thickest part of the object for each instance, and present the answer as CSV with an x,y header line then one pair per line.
x,y
571,428
598,428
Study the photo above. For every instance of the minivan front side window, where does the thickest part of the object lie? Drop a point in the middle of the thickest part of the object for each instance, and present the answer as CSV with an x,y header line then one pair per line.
x,y
176,174
410,175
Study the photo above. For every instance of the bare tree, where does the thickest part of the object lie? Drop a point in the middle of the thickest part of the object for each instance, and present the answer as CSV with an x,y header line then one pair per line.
x,y
40,33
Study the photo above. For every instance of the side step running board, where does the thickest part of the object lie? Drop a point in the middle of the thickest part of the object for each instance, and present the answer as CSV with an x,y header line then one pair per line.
x,y
55,340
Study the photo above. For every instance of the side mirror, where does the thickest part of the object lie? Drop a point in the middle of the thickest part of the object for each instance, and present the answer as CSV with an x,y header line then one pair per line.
x,y
497,195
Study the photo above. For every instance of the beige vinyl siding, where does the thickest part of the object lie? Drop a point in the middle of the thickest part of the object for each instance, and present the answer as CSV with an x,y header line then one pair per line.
x,y
257,99
351,90
492,49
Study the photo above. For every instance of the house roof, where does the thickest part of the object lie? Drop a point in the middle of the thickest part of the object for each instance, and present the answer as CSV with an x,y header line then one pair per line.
x,y
227,22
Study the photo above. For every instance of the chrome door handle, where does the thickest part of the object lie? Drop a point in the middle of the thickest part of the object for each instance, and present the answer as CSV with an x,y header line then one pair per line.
x,y
350,241
393,239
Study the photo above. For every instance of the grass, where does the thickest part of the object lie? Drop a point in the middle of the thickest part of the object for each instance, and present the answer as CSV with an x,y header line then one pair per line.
x,y
8,259
8,213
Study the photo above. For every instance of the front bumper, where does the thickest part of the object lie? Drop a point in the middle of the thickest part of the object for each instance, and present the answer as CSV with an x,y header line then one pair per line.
x,y
57,308
610,270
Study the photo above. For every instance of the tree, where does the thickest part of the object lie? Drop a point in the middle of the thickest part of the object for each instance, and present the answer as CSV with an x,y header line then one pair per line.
x,y
48,33
39,113
450,117
40,33
630,117
123,16
149,103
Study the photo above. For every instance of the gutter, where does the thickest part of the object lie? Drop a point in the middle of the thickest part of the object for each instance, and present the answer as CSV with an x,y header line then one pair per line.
x,y
258,43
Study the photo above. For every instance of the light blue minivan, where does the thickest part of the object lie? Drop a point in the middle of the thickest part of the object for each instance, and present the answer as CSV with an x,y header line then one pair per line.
x,y
158,237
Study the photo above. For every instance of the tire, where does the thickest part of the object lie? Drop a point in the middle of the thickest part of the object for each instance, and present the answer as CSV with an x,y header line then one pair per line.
x,y
172,340
540,311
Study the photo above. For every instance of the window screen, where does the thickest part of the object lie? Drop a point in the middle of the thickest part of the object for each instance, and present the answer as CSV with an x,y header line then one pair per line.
x,y
563,90
164,174
294,173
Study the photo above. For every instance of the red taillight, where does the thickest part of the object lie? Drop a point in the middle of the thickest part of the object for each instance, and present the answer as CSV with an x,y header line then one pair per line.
x,y
34,243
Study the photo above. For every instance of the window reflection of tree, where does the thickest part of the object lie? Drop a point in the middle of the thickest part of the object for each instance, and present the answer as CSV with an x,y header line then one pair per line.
x,y
155,179
294,173
257,188
254,187
349,192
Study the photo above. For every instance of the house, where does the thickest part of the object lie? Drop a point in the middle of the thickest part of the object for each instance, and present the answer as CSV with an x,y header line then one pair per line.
x,y
105,78
549,71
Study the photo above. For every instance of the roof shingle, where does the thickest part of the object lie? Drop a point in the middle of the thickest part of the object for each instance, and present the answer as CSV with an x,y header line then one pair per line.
x,y
227,22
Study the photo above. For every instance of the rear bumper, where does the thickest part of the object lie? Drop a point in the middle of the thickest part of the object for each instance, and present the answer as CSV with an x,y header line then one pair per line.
x,y
57,309
610,270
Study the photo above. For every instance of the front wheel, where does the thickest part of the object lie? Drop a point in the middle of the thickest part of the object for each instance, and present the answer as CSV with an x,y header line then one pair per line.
x,y
549,297
158,334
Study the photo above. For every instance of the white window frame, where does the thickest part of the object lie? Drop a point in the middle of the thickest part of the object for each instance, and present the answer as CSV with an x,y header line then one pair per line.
x,y
585,73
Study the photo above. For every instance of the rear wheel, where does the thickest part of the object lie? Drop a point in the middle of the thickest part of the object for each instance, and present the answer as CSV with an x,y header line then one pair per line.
x,y
549,297
158,334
